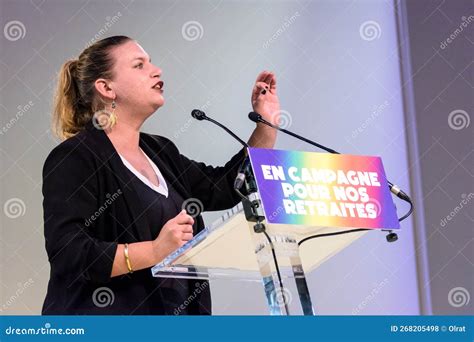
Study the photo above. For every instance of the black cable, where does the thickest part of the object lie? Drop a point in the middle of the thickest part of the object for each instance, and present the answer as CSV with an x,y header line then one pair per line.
x,y
410,211
241,195
275,260
353,230
400,194
277,270
331,234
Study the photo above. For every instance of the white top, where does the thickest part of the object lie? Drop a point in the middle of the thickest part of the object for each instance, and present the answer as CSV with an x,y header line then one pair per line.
x,y
162,188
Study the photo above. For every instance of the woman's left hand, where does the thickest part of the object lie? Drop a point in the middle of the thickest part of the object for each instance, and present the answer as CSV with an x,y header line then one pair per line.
x,y
264,97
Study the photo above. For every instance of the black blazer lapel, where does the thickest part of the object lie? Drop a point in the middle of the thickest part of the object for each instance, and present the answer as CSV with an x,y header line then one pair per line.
x,y
166,161
108,154
160,156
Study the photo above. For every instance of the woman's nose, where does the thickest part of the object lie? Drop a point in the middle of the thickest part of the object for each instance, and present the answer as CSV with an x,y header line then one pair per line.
x,y
156,72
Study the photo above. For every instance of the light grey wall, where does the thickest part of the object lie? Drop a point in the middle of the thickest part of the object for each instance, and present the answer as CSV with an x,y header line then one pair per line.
x,y
339,83
440,53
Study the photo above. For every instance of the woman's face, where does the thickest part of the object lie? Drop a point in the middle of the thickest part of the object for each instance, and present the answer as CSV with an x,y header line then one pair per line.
x,y
137,82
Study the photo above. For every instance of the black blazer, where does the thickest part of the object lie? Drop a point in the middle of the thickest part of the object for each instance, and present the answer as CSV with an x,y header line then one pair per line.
x,y
90,206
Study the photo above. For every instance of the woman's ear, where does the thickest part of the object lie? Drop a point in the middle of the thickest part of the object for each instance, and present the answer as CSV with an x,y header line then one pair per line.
x,y
103,88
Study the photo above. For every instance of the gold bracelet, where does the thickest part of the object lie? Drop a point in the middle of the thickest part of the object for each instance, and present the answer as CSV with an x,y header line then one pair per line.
x,y
127,259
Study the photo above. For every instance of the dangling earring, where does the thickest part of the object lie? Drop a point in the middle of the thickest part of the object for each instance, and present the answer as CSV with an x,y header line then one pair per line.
x,y
103,119
113,116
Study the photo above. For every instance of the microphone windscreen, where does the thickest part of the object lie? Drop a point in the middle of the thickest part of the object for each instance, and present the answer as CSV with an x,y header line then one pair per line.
x,y
255,117
198,114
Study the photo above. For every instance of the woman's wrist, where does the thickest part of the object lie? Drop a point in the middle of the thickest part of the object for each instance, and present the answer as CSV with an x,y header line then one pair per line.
x,y
155,247
263,136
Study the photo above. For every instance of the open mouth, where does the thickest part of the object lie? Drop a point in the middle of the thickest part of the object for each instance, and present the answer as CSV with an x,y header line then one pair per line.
x,y
159,85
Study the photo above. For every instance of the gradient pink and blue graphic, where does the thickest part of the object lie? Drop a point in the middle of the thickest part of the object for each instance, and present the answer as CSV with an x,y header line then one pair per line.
x,y
284,199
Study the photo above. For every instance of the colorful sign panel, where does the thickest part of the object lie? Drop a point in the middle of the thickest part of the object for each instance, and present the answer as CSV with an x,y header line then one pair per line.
x,y
322,189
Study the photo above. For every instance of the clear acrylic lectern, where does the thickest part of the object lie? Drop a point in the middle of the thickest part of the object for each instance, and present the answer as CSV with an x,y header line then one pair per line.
x,y
230,248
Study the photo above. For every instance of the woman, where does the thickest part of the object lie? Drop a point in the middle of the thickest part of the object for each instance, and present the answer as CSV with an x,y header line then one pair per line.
x,y
113,196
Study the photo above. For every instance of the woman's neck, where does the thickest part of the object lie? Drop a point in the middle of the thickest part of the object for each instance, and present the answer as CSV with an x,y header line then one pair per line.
x,y
125,137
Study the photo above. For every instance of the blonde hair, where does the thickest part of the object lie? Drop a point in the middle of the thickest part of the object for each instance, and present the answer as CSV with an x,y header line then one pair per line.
x,y
75,100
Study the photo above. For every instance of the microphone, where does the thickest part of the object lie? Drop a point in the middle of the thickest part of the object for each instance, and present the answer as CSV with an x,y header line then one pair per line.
x,y
239,180
200,115
255,117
